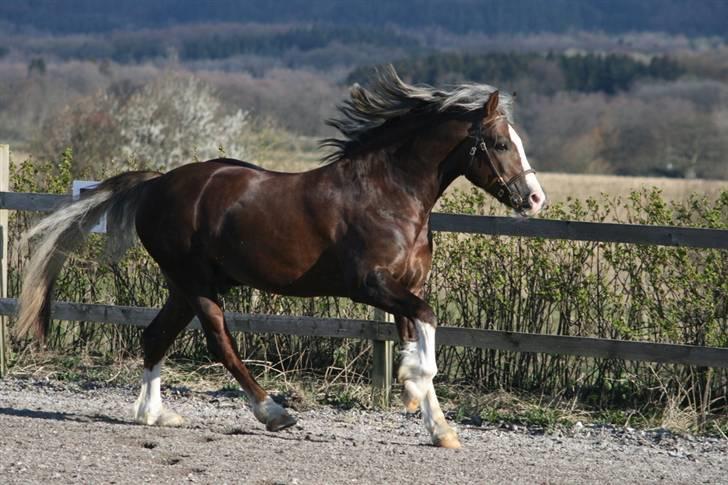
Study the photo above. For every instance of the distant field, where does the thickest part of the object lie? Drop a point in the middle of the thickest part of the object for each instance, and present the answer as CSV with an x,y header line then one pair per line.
x,y
560,186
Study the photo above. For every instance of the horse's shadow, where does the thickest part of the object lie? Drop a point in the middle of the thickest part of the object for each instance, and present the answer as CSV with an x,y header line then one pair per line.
x,y
99,418
61,416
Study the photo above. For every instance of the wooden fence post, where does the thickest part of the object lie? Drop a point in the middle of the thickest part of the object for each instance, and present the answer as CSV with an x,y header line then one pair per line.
x,y
4,187
382,365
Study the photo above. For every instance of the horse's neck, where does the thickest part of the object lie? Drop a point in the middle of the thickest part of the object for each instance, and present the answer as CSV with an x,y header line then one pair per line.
x,y
407,174
433,166
420,169
453,165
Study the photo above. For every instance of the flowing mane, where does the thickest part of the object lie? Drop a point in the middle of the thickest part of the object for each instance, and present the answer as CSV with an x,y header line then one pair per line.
x,y
390,100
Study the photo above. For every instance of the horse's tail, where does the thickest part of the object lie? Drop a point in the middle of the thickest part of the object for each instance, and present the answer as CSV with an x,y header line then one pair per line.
x,y
65,230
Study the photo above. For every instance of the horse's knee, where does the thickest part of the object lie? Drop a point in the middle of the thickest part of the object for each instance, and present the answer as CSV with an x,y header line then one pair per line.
x,y
427,316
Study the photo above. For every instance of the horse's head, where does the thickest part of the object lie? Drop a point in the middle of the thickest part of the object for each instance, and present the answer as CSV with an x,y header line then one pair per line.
x,y
498,162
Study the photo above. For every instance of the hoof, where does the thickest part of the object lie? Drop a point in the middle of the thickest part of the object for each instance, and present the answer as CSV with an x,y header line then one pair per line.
x,y
411,396
450,441
165,418
278,423
169,419
411,405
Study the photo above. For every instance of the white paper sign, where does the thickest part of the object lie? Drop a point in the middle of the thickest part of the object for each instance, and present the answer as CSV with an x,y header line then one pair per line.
x,y
77,189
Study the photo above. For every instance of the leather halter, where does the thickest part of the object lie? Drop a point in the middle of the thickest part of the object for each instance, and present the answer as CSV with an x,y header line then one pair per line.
x,y
498,187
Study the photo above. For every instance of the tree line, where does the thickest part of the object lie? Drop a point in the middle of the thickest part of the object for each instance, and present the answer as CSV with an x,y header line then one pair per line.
x,y
225,41
609,74
613,73
216,45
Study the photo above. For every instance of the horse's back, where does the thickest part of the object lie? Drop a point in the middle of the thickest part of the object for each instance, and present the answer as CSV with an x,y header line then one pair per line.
x,y
255,225
182,201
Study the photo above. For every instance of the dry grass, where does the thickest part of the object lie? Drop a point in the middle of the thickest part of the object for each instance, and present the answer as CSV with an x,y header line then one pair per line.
x,y
276,149
561,186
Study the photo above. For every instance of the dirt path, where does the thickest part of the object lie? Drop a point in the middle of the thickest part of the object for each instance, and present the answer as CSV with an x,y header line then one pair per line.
x,y
66,433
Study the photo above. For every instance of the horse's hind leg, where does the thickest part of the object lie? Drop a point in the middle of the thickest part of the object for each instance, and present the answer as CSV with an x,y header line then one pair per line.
x,y
157,338
222,347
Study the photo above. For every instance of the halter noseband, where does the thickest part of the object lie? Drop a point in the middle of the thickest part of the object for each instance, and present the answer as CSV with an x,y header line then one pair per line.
x,y
498,187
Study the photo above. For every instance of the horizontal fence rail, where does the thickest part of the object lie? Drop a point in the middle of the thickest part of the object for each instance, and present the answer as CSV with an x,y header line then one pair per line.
x,y
582,231
33,202
384,331
490,225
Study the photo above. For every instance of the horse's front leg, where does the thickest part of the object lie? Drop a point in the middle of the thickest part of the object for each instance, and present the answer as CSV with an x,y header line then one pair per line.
x,y
409,366
419,365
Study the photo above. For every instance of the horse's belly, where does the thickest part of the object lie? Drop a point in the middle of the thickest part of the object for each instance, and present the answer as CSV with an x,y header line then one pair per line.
x,y
285,274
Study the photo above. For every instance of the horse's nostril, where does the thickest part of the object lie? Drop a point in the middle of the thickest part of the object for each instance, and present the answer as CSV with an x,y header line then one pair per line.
x,y
535,198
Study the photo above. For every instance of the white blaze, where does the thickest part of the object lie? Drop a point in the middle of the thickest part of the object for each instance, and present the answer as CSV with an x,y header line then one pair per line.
x,y
532,183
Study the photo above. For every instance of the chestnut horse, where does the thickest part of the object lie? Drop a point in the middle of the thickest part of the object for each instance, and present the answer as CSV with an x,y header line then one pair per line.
x,y
357,227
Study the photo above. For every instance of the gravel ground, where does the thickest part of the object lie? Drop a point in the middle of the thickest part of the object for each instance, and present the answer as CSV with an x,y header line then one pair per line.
x,y
69,433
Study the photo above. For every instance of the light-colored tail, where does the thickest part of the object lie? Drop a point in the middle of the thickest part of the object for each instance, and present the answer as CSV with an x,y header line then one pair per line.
x,y
65,230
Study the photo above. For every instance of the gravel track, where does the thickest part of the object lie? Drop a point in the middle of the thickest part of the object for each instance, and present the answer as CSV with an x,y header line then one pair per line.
x,y
58,432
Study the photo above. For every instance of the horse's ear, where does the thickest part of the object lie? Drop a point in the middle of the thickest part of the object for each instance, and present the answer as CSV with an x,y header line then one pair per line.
x,y
491,106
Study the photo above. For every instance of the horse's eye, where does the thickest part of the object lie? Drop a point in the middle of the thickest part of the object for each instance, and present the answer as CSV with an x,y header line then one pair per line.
x,y
501,147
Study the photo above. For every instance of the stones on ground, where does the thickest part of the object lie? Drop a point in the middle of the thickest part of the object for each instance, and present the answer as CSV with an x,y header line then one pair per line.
x,y
386,442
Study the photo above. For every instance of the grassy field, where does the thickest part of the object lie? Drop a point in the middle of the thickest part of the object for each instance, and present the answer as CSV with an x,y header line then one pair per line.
x,y
560,186
293,153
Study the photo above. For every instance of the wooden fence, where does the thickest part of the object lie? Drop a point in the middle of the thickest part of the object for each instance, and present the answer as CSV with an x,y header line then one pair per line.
x,y
383,333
